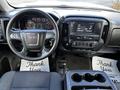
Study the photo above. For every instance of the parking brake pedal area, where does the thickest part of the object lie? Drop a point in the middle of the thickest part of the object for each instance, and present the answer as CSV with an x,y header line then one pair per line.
x,y
42,65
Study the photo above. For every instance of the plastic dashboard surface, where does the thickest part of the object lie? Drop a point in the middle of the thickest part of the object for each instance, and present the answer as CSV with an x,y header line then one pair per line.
x,y
58,14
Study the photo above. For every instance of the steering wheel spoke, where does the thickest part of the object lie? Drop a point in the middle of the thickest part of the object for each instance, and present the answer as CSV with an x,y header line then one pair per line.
x,y
23,52
50,34
44,52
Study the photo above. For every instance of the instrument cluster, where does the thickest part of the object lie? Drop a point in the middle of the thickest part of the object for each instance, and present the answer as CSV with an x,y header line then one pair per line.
x,y
38,23
33,22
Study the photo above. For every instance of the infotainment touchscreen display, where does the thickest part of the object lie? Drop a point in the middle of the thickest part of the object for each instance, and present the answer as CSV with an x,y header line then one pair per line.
x,y
84,27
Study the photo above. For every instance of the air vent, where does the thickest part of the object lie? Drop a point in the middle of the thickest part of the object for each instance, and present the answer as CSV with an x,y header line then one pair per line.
x,y
105,31
5,22
3,25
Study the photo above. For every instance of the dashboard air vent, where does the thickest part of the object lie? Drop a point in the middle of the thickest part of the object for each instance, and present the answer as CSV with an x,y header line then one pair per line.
x,y
105,31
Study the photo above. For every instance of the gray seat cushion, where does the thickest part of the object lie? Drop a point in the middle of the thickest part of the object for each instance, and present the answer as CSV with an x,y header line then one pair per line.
x,y
30,81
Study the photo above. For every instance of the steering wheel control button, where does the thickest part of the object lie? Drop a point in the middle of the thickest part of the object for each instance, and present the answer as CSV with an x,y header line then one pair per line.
x,y
15,36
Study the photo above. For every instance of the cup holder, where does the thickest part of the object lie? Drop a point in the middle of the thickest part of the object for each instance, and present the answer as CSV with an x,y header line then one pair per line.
x,y
88,77
76,77
100,78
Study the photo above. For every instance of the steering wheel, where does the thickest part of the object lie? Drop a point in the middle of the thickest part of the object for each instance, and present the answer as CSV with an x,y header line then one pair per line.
x,y
33,40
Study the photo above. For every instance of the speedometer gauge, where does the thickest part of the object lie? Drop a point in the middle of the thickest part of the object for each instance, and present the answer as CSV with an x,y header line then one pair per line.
x,y
30,24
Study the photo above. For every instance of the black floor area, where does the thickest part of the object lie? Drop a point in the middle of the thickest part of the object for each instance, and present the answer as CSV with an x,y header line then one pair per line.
x,y
77,62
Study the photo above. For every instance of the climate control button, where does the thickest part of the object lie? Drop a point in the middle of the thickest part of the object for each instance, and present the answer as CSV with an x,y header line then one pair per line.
x,y
84,44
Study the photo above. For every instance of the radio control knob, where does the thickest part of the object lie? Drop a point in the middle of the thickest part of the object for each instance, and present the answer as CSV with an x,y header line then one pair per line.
x,y
67,44
74,43
94,44
78,37
85,37
91,44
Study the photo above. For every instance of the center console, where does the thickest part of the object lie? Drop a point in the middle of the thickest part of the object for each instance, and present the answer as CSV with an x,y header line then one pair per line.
x,y
82,33
88,80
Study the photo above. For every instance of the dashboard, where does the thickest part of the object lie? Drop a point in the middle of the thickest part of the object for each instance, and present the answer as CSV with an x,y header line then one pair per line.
x,y
80,31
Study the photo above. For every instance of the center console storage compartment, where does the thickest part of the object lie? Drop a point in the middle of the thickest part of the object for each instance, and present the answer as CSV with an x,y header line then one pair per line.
x,y
88,80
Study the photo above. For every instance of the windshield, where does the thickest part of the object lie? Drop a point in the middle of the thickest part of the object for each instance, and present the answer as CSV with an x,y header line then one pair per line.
x,y
24,3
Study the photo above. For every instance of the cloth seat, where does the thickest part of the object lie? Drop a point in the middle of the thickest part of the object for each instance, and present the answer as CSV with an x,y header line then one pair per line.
x,y
30,81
